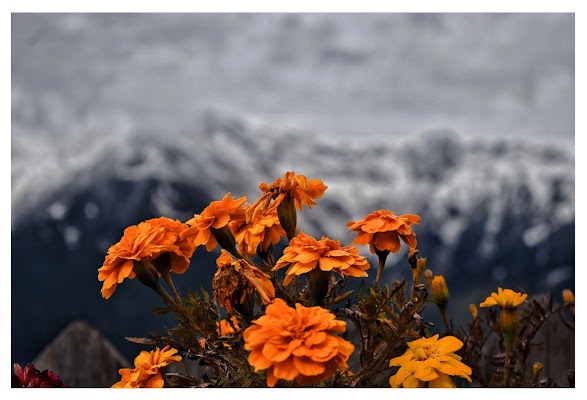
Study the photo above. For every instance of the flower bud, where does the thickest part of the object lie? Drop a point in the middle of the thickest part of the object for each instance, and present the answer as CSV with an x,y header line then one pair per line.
x,y
226,240
428,275
287,214
473,309
569,297
318,285
439,291
146,273
536,371
509,322
420,265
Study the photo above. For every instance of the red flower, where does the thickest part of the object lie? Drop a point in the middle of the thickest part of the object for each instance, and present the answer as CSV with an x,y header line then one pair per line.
x,y
31,377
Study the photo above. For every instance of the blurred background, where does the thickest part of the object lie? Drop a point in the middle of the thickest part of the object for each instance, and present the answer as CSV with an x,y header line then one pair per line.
x,y
464,119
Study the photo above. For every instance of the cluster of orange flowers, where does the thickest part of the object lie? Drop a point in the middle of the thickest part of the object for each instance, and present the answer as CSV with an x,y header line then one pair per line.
x,y
300,343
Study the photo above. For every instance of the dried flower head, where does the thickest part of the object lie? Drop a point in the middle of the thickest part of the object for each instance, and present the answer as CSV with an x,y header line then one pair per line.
x,y
31,377
429,360
382,230
259,233
305,253
296,187
236,279
204,226
148,369
297,343
147,240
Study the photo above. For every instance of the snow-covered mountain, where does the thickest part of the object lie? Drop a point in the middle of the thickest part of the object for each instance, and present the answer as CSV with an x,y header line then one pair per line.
x,y
494,212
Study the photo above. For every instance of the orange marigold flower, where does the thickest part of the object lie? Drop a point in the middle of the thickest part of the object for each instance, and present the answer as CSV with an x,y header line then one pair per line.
x,y
235,280
296,187
429,360
224,328
382,230
212,219
259,233
149,239
147,370
305,253
297,343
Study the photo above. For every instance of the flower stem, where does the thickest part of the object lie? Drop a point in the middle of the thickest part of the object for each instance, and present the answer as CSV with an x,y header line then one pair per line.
x,y
167,278
506,366
380,270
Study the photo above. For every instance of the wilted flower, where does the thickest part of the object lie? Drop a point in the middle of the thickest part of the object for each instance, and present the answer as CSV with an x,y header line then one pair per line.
x,y
318,258
147,370
31,377
508,301
284,196
235,283
211,225
297,343
429,361
146,241
260,233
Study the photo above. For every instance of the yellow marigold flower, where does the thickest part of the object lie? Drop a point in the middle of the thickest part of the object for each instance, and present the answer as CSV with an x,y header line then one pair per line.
x,y
296,187
382,230
429,361
147,240
147,370
305,253
508,301
297,343
504,298
205,228
236,281
259,233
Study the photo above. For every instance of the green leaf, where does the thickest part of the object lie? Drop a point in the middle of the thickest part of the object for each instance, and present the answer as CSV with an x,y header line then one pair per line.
x,y
206,295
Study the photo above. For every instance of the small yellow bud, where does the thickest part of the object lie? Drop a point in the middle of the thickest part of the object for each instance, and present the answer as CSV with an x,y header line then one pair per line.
x,y
473,309
536,371
428,275
439,290
569,297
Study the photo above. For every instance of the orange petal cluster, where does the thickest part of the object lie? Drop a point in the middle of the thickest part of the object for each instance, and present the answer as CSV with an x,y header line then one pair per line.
x,y
297,343
382,230
237,278
297,187
224,328
147,370
216,216
259,233
429,360
149,239
305,253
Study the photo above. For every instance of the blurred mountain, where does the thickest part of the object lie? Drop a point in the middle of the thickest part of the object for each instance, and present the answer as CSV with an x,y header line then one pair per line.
x,y
495,212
